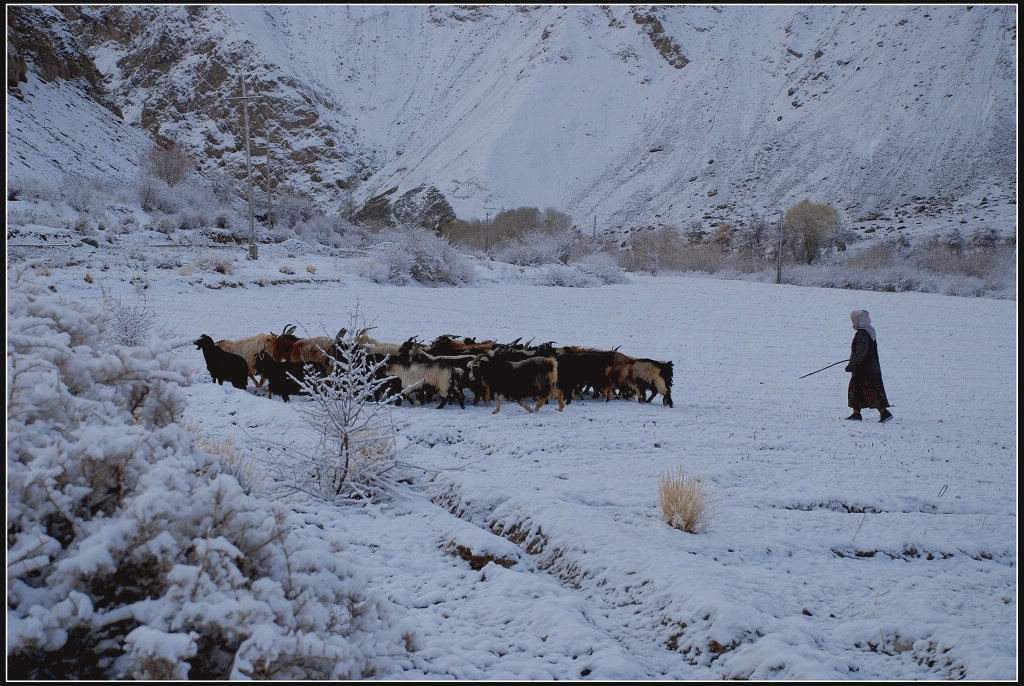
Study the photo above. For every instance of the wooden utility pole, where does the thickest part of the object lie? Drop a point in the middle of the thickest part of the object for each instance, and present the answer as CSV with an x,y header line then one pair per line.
x,y
253,251
270,204
778,269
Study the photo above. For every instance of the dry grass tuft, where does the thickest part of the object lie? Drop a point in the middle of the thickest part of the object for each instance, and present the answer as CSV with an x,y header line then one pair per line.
x,y
233,462
684,501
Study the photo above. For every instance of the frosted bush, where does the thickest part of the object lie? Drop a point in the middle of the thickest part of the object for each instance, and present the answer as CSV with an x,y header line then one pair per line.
x,y
928,270
602,266
561,275
417,255
279,234
291,210
129,325
82,194
131,551
349,410
33,189
212,262
573,276
536,248
316,230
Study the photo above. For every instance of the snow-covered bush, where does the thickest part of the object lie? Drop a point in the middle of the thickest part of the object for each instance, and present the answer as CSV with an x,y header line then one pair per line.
x,y
603,266
219,263
356,445
82,194
291,210
128,325
582,275
564,276
417,255
131,553
537,247
333,231
33,189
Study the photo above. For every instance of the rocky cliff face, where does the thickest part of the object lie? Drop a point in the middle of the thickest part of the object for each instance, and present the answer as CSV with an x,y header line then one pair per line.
x,y
48,39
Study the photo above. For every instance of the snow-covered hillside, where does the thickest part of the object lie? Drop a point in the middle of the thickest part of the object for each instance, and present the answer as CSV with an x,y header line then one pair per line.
x,y
623,115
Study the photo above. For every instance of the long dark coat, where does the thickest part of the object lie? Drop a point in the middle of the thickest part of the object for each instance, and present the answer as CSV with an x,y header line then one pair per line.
x,y
866,388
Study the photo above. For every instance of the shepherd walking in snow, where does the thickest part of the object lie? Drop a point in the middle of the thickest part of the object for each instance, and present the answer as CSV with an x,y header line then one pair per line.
x,y
866,388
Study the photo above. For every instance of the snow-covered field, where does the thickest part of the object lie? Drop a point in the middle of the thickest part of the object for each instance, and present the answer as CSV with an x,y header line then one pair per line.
x,y
837,550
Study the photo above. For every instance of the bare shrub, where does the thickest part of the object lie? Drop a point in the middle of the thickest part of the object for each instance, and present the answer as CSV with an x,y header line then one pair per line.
x,y
244,468
655,249
147,189
515,222
290,210
706,258
684,501
221,264
810,229
167,161
755,245
81,193
471,233
724,235
350,411
127,324
874,257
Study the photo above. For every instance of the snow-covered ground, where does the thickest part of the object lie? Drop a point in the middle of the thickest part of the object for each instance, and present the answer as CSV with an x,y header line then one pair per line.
x,y
837,550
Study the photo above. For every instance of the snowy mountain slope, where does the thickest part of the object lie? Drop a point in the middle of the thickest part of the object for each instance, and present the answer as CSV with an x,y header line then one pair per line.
x,y
633,115
53,130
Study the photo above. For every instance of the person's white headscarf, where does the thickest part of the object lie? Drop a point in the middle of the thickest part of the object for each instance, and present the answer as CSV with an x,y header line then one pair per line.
x,y
861,320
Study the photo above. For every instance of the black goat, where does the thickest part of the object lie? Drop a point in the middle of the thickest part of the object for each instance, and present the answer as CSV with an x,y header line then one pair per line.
x,y
223,366
529,378
654,376
283,378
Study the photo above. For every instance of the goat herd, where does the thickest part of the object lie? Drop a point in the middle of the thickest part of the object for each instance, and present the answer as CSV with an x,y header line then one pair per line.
x,y
444,369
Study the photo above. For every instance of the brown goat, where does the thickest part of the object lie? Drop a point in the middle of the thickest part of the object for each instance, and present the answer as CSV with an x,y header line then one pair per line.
x,y
248,349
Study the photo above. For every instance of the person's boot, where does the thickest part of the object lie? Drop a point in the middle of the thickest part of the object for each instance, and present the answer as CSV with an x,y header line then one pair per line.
x,y
855,416
886,415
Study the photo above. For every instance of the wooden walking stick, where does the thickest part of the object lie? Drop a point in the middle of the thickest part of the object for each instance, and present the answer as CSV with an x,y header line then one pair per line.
x,y
822,369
